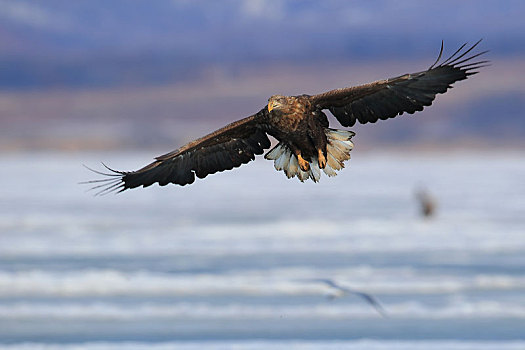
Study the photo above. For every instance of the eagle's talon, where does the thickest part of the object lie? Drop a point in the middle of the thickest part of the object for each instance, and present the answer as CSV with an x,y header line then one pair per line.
x,y
321,160
303,164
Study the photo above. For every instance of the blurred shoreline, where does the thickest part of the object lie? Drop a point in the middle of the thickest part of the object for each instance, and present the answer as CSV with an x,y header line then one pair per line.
x,y
485,111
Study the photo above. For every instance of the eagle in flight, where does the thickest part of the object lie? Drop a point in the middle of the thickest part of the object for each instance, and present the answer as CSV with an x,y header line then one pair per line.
x,y
307,146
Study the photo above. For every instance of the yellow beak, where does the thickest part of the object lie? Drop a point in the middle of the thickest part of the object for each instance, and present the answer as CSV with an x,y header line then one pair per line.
x,y
271,105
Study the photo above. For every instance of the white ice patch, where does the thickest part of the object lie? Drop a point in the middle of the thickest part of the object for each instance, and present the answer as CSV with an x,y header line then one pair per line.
x,y
354,308
279,281
359,344
280,344
338,151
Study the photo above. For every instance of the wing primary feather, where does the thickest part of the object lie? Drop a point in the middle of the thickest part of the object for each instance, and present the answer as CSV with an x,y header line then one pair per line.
x,y
110,188
454,54
115,173
471,71
106,185
96,181
455,60
455,63
113,170
475,63
439,56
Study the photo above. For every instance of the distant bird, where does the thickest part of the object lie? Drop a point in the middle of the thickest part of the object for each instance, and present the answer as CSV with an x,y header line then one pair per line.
x,y
427,203
341,291
306,144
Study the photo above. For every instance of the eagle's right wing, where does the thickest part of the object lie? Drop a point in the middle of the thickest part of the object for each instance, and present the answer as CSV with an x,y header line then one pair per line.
x,y
391,97
224,149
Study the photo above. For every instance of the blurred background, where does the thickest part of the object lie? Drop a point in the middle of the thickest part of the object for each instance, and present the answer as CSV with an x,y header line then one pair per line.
x,y
233,261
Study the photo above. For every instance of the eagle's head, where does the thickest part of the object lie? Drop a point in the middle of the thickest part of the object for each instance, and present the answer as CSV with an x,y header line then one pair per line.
x,y
277,102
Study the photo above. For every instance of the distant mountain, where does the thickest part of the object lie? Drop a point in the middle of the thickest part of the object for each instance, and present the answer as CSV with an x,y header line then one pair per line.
x,y
93,43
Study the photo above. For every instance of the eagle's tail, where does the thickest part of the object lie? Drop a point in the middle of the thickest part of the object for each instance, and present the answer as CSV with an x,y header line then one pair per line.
x,y
338,151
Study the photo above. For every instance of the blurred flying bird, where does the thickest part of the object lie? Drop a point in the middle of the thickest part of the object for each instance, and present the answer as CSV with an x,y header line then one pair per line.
x,y
340,291
427,203
306,145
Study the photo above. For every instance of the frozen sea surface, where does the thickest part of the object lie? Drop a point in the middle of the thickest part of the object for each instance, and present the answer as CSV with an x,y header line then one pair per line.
x,y
230,262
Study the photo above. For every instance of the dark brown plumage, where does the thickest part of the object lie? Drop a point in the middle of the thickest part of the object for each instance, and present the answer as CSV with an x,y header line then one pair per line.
x,y
306,144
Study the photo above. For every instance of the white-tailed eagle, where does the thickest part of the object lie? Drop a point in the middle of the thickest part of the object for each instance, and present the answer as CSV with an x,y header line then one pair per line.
x,y
307,146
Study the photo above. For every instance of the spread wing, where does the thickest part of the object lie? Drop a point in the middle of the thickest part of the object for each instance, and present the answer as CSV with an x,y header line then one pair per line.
x,y
407,93
224,149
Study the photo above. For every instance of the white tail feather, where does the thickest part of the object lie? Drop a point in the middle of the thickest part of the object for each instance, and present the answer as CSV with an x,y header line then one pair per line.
x,y
315,171
280,162
329,171
293,166
338,151
333,162
275,152
287,155
342,135
303,175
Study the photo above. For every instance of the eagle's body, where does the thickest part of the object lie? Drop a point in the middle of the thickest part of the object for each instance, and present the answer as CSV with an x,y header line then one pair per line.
x,y
299,126
306,145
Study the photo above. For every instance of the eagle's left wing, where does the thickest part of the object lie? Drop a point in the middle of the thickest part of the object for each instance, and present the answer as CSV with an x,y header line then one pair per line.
x,y
229,147
391,97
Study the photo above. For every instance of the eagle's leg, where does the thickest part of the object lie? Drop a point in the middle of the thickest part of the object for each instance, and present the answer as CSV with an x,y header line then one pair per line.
x,y
303,163
317,135
321,158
